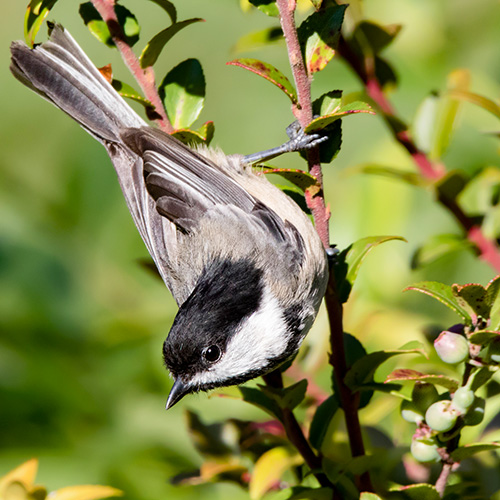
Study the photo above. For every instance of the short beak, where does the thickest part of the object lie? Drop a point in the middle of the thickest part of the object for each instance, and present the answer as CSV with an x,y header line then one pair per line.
x,y
178,391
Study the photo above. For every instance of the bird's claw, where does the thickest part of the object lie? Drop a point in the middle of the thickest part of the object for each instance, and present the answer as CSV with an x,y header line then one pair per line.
x,y
300,141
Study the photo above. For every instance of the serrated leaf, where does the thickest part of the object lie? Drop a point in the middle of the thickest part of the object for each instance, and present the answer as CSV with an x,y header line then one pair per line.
x,y
99,28
268,7
476,99
421,491
85,492
319,35
302,179
321,420
362,371
413,375
262,401
270,73
437,247
444,294
258,39
348,262
36,13
470,450
24,474
475,295
349,109
168,7
269,468
154,47
287,397
183,93
447,114
411,178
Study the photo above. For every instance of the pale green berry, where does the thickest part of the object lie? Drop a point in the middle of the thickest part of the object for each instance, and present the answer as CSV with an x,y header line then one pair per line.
x,y
425,451
452,347
463,399
410,413
441,416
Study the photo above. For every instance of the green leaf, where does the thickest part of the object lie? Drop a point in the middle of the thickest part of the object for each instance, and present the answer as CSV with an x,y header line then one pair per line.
x,y
262,401
424,123
349,109
328,103
450,186
129,92
476,99
404,375
154,47
183,93
288,397
447,114
484,337
319,35
269,7
348,262
421,491
259,39
475,296
268,72
36,12
437,247
302,179
168,7
369,496
411,178
321,420
203,135
475,414
445,295
99,28
362,371
269,469
85,492
470,450
375,36
302,493
493,297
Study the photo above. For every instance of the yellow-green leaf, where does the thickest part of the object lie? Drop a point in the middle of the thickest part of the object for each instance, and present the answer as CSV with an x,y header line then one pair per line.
x,y
36,13
24,474
85,492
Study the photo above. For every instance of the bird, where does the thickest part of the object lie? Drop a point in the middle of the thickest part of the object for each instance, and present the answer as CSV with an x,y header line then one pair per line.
x,y
242,260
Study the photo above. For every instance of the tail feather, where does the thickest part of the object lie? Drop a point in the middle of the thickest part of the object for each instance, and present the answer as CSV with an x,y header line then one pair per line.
x,y
62,73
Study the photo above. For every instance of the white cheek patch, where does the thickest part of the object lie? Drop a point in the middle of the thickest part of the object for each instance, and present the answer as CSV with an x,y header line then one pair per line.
x,y
262,336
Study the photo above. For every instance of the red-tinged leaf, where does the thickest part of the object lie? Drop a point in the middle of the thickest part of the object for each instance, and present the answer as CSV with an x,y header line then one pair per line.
x,y
349,109
302,179
154,47
36,13
270,73
348,262
476,99
203,135
85,492
168,7
475,295
258,39
269,469
183,93
445,295
319,35
470,450
421,491
363,369
413,375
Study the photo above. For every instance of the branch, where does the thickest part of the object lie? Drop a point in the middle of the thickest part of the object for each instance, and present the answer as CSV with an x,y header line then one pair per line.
x,y
144,77
316,203
442,480
488,249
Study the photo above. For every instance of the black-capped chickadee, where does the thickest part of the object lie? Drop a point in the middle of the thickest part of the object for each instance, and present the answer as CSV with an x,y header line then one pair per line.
x,y
241,259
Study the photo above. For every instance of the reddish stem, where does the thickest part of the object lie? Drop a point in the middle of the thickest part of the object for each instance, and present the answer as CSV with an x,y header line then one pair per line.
x,y
145,77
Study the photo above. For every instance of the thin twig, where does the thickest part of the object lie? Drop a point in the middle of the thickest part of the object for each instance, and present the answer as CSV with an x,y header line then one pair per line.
x,y
316,203
488,249
145,77
442,480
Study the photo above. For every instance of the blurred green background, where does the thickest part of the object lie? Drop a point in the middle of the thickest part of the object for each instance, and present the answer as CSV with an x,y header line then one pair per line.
x,y
82,385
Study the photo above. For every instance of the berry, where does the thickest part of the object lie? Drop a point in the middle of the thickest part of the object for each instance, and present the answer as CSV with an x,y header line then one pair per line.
x,y
463,399
410,413
424,451
441,416
452,347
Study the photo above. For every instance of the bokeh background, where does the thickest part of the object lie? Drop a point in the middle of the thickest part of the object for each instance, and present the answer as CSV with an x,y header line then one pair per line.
x,y
82,384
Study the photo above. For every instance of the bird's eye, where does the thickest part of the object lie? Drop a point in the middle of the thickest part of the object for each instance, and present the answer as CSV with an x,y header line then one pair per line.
x,y
212,353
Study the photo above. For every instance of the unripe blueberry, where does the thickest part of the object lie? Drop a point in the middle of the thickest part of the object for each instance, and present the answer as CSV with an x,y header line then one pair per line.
x,y
463,399
452,347
441,416
410,413
424,451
